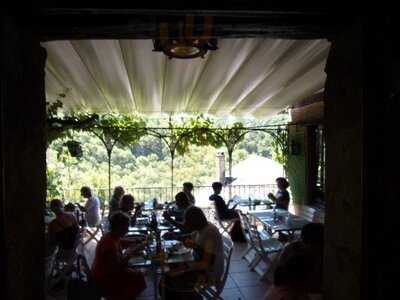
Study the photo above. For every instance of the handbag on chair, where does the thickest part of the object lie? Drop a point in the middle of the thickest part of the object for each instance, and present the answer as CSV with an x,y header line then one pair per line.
x,y
236,233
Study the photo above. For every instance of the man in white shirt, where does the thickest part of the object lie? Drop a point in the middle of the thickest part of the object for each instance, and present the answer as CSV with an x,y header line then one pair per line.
x,y
91,208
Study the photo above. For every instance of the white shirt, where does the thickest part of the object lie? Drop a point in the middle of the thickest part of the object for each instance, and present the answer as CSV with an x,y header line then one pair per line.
x,y
92,207
209,239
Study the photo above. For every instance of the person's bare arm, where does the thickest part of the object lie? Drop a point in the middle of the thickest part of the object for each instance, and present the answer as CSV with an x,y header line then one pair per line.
x,y
272,197
178,225
201,265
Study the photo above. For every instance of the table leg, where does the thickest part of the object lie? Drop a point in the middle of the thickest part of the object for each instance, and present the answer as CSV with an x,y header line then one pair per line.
x,y
154,270
162,286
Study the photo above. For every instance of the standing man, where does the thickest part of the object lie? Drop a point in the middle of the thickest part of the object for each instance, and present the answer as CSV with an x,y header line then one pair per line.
x,y
91,208
188,189
115,199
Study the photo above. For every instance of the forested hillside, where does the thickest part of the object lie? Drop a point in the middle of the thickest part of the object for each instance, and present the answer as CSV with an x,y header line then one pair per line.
x,y
147,163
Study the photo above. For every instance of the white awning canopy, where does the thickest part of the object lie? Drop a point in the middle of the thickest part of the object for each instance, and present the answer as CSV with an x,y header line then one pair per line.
x,y
244,77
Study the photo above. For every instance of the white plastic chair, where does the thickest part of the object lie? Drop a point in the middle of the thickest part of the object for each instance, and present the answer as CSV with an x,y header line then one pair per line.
x,y
265,246
250,243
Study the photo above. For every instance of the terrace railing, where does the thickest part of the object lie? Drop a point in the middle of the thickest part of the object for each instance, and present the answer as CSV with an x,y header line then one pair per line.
x,y
254,193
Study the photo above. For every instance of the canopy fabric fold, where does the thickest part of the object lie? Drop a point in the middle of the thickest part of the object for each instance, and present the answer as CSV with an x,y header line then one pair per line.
x,y
244,77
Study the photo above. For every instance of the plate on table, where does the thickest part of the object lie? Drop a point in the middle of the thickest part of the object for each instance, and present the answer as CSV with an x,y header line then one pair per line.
x,y
137,260
180,251
142,221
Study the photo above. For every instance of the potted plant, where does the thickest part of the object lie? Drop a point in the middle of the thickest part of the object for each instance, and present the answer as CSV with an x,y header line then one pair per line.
x,y
74,148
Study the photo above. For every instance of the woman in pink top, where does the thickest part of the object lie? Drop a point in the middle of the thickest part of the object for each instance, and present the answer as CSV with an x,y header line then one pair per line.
x,y
110,267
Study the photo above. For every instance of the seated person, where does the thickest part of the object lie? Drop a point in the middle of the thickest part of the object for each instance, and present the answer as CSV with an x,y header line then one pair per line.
x,y
63,230
110,267
183,204
188,189
289,279
115,199
91,208
70,207
224,213
127,206
282,197
311,243
208,266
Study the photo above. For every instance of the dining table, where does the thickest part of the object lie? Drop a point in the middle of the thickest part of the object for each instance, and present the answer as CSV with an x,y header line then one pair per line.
x,y
173,253
142,225
279,220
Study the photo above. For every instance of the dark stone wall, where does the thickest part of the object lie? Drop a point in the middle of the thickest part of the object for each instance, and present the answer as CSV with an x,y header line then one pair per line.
x,y
344,188
362,102
22,159
381,242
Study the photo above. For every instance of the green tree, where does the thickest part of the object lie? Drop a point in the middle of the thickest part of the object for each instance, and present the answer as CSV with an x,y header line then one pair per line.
x,y
112,129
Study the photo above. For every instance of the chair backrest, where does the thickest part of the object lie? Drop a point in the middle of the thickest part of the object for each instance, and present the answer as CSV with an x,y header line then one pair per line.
x,y
217,218
253,230
304,211
228,248
254,237
319,216
244,221
309,213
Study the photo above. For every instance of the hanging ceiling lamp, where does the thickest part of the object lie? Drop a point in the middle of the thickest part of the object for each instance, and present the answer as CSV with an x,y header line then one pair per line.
x,y
180,39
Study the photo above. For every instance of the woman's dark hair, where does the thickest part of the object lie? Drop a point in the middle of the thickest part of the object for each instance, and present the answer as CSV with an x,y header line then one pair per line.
x,y
118,220
86,191
118,190
216,184
195,218
284,181
188,185
182,199
70,207
56,203
127,198
313,234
